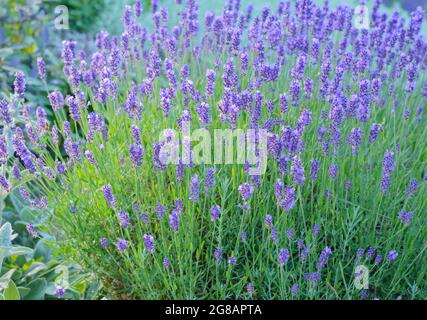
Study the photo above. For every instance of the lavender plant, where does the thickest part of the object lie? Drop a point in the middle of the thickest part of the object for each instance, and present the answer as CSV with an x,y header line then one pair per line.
x,y
346,143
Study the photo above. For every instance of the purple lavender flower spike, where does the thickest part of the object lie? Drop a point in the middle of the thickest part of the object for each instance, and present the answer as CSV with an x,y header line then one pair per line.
x,y
73,108
316,230
405,216
278,189
194,189
209,179
297,171
32,231
250,288
268,221
218,255
160,210
203,113
333,170
136,153
19,84
392,256
122,245
245,191
413,185
288,202
174,220
59,292
370,253
56,100
215,213
232,260
373,134
294,289
4,183
149,243
312,277
388,162
137,7
166,263
314,168
124,219
359,254
109,197
354,139
41,66
283,257
323,258
290,233
5,114
210,83
104,243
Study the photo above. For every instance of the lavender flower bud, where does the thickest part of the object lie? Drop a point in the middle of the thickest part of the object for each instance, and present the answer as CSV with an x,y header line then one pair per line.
x,y
122,245
392,256
268,221
174,220
283,257
333,170
210,76
4,183
245,191
30,229
194,189
149,243
294,289
56,100
297,171
41,66
218,255
355,138
19,84
104,243
314,168
109,197
413,185
388,163
323,258
232,261
405,216
166,263
209,179
288,201
124,219
160,210
215,213
136,153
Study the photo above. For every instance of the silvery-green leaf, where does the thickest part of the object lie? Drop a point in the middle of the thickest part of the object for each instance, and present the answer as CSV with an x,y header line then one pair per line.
x,y
6,235
4,279
11,292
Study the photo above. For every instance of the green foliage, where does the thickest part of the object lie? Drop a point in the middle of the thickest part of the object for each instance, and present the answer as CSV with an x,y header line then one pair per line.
x,y
20,25
24,275
349,220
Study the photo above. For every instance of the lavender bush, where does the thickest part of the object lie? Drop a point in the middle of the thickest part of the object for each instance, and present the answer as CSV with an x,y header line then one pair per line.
x,y
344,184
